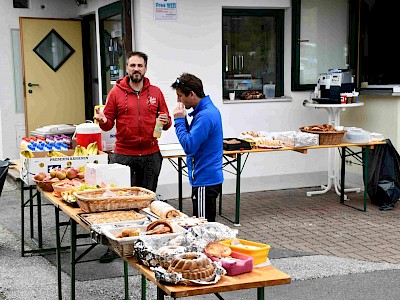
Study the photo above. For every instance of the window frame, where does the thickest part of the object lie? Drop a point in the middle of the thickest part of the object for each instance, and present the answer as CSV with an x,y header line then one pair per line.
x,y
355,60
105,12
279,15
295,68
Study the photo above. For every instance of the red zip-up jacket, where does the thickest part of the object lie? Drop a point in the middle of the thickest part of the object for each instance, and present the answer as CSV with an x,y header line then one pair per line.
x,y
135,117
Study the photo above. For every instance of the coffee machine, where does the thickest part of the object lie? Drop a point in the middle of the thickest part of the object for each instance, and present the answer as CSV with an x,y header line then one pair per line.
x,y
333,83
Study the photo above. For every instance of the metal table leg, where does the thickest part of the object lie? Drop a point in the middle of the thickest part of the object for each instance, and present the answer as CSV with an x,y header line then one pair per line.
x,y
22,197
126,283
58,252
260,293
366,176
144,287
237,206
73,250
238,170
39,219
180,182
160,294
342,175
365,165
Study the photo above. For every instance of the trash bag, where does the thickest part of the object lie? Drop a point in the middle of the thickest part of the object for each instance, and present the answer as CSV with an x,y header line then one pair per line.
x,y
384,176
387,194
4,165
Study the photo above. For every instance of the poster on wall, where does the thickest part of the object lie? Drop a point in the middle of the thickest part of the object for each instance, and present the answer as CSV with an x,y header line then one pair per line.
x,y
165,10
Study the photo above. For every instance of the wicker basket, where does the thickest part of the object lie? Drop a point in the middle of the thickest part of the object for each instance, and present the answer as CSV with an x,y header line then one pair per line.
x,y
122,198
123,250
328,137
45,186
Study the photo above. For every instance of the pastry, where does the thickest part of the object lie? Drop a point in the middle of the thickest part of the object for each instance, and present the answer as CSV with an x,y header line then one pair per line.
x,y
190,222
159,227
164,210
112,216
217,250
128,232
193,266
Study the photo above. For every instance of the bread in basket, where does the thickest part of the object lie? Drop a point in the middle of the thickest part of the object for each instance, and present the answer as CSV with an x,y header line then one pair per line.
x,y
116,198
328,135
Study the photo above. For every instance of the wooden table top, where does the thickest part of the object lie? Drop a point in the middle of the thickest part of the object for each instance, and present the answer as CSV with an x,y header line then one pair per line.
x,y
259,277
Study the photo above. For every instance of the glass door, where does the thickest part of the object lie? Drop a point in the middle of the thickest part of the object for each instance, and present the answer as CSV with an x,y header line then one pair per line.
x,y
112,46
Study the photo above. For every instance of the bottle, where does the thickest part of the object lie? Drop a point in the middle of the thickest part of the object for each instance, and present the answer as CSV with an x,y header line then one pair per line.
x,y
158,128
24,143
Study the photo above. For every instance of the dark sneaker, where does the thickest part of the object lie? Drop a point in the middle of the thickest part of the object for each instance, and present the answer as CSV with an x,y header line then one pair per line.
x,y
108,257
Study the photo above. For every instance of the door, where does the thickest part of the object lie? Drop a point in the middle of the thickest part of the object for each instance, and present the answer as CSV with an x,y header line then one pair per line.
x,y
52,72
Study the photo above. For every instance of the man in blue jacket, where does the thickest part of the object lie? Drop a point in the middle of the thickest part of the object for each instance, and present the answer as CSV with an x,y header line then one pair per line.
x,y
202,141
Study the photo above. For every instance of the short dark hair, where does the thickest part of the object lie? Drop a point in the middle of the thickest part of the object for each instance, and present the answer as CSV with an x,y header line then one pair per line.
x,y
187,83
137,53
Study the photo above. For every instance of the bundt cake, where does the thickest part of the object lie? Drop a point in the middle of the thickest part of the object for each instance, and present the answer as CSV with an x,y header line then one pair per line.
x,y
167,253
193,266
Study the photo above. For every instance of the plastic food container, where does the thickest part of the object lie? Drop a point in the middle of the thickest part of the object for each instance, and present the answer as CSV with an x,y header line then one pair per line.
x,y
124,246
374,136
237,264
258,251
356,136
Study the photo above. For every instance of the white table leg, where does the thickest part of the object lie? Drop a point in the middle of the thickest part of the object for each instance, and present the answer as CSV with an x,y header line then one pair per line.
x,y
333,162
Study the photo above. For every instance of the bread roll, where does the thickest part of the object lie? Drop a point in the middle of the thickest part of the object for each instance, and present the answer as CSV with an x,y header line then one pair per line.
x,y
128,232
217,250
164,210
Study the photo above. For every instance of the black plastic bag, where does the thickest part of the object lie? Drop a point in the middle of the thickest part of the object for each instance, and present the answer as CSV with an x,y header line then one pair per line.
x,y
4,164
384,176
388,193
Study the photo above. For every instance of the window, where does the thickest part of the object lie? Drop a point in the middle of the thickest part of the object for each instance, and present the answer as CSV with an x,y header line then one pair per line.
x,y
319,40
373,28
252,51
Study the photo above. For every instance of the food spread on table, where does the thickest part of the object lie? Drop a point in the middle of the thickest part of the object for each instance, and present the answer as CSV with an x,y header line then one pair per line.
x,y
177,247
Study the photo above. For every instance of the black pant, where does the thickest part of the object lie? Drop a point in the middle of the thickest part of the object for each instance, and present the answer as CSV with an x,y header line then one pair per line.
x,y
144,169
204,200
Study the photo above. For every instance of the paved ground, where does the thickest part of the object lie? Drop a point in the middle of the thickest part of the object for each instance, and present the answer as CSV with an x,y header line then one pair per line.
x,y
289,219
330,250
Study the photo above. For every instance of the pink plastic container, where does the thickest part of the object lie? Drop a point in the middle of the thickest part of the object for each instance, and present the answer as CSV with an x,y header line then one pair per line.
x,y
237,264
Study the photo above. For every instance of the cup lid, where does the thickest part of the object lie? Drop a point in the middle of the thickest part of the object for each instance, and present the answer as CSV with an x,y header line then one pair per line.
x,y
88,128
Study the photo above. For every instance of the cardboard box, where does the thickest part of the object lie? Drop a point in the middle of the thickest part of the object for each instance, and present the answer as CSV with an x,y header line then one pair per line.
x,y
108,139
105,174
40,163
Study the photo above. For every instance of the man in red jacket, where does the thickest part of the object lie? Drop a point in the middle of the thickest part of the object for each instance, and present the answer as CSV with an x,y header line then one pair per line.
x,y
135,105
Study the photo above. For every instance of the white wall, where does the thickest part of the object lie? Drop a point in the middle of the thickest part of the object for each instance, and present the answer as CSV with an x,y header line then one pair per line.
x,y
191,44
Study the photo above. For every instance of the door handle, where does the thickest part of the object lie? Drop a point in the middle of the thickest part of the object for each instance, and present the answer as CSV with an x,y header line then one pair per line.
x,y
33,84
